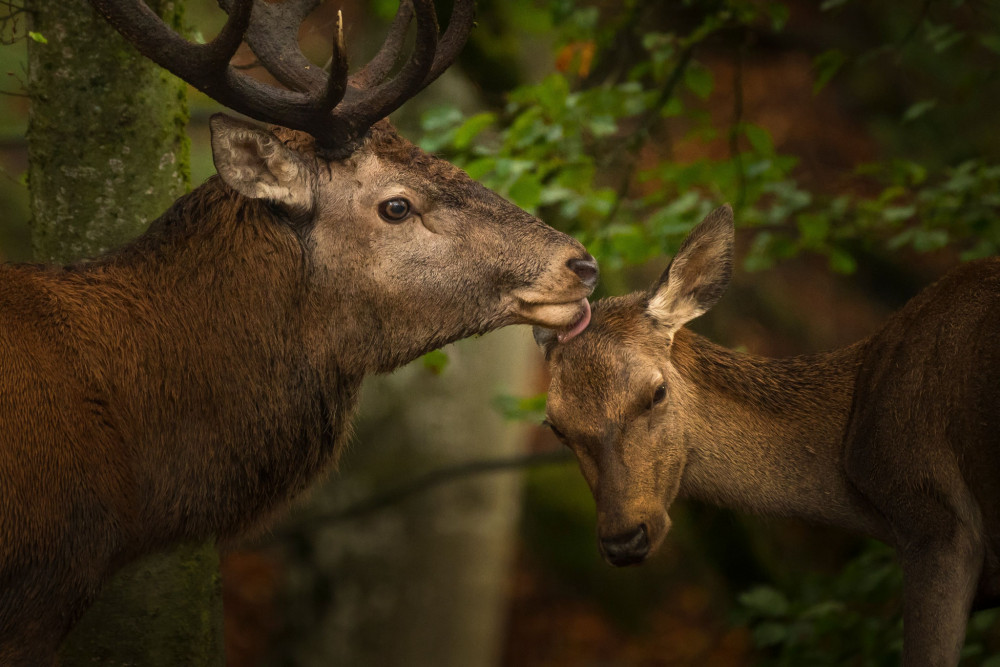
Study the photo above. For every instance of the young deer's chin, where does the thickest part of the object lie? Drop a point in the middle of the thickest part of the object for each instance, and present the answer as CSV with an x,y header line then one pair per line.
x,y
568,319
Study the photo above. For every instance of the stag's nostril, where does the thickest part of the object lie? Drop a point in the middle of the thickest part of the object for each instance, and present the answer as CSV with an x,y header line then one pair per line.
x,y
585,268
628,548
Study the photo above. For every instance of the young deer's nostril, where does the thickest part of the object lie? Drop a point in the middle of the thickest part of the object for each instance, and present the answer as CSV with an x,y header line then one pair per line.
x,y
586,268
627,549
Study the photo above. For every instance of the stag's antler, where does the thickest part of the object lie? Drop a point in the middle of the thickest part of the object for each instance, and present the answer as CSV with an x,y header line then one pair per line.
x,y
335,109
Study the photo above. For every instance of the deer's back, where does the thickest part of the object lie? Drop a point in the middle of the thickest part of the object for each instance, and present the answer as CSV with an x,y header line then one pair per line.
x,y
926,409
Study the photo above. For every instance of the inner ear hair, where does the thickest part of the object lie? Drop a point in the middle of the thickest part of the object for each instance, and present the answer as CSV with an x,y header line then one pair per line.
x,y
257,164
698,274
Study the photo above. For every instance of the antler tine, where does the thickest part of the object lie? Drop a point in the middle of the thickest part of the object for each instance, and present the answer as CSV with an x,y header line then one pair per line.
x,y
463,17
377,103
273,38
315,104
336,85
201,65
378,68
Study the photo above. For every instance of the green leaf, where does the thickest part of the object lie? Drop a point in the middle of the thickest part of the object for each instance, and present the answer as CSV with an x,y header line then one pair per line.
x,y
942,36
813,228
435,361
895,214
520,408
919,109
526,191
827,64
770,634
842,262
440,118
698,80
765,601
759,138
991,41
602,125
38,37
779,13
471,128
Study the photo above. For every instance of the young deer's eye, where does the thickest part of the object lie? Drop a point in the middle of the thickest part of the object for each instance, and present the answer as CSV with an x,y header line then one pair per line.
x,y
555,431
659,395
394,210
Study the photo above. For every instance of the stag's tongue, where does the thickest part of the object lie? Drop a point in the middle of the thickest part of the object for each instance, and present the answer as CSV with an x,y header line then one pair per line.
x,y
580,325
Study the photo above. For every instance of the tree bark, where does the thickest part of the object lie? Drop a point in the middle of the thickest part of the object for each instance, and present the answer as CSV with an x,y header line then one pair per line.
x,y
422,583
107,155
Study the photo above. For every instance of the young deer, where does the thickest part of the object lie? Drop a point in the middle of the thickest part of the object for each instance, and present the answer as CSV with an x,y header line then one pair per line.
x,y
190,383
896,436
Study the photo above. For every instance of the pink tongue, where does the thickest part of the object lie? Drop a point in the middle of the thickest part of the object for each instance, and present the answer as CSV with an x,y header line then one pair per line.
x,y
579,326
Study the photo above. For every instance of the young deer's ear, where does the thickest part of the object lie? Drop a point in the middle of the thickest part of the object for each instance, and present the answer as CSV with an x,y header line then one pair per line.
x,y
545,338
698,274
255,163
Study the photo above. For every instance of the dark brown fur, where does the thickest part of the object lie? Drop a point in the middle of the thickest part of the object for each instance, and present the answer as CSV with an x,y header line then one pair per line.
x,y
896,437
190,383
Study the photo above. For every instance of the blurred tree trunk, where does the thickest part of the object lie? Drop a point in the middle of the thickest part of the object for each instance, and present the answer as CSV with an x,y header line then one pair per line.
x,y
108,154
423,582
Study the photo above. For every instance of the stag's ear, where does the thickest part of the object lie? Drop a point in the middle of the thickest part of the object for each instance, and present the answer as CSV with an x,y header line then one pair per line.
x,y
698,274
545,338
255,163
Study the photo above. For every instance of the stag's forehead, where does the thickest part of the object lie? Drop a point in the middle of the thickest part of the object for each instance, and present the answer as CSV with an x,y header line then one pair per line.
x,y
384,143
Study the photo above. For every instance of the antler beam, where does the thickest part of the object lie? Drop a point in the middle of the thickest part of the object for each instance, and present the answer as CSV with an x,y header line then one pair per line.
x,y
311,100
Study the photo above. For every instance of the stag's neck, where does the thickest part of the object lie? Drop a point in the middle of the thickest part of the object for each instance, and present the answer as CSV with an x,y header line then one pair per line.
x,y
767,435
208,341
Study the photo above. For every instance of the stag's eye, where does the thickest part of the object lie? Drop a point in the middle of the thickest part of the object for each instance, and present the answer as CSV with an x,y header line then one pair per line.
x,y
394,210
659,395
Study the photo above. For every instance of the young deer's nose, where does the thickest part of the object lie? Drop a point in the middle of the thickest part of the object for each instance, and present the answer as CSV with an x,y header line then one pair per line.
x,y
626,549
586,268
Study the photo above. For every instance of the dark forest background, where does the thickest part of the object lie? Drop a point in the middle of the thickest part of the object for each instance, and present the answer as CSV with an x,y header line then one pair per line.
x,y
858,143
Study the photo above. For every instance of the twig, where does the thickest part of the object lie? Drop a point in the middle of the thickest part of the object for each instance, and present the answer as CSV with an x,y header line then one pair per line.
x,y
423,483
644,129
734,130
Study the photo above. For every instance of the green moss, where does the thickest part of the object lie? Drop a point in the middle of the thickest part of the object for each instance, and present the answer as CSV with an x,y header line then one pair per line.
x,y
107,154
155,612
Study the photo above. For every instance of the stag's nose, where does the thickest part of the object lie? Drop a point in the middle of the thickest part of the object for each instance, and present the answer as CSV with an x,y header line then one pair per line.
x,y
627,548
586,268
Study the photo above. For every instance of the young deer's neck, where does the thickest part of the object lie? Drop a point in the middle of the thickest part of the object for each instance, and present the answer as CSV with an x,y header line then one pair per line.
x,y
766,435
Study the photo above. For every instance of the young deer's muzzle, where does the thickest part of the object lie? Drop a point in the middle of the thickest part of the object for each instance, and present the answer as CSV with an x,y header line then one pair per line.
x,y
628,548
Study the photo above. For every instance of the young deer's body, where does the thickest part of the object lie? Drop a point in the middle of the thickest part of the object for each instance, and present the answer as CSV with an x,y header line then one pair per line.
x,y
896,437
190,383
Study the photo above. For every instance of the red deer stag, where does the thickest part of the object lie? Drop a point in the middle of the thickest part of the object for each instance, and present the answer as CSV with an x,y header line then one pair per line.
x,y
189,383
896,437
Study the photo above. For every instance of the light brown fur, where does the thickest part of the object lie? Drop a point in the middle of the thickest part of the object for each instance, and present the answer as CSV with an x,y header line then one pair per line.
x,y
895,437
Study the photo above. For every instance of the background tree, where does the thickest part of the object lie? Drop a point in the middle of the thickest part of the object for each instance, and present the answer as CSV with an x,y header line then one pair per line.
x,y
107,154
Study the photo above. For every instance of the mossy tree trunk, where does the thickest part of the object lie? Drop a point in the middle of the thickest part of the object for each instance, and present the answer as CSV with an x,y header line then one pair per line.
x,y
108,154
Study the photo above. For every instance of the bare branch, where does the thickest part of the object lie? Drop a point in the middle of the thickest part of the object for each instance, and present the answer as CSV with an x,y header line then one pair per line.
x,y
424,483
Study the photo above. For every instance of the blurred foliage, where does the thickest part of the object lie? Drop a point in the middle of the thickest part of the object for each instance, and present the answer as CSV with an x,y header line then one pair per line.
x,y
578,146
850,618
588,145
